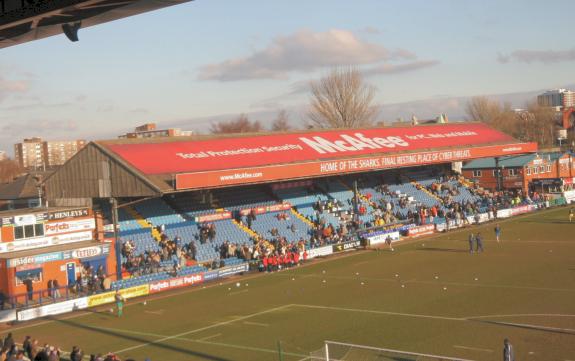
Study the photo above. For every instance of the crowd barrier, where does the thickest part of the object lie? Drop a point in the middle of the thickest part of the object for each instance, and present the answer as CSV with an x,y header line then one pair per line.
x,y
127,293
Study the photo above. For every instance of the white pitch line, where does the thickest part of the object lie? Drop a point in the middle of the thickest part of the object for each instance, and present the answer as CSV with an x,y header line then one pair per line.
x,y
158,312
201,329
524,315
447,318
242,347
415,315
473,348
256,324
209,337
203,341
463,284
534,326
238,292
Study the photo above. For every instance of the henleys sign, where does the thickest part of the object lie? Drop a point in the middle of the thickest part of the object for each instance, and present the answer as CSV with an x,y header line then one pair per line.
x,y
71,213
278,149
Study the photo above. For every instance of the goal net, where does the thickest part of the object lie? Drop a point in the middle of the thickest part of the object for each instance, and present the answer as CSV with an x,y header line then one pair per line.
x,y
339,351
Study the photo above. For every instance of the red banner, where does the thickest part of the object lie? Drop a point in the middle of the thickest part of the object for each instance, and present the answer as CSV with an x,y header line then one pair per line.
x,y
318,168
172,283
276,149
421,230
214,217
273,208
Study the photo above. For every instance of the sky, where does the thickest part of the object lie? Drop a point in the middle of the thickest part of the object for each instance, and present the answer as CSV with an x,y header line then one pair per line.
x,y
215,59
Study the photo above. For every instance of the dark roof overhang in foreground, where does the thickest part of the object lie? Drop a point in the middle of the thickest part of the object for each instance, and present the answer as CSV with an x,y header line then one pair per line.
x,y
24,21
152,167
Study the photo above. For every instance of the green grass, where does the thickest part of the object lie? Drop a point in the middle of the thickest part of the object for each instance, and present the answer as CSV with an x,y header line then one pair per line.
x,y
525,290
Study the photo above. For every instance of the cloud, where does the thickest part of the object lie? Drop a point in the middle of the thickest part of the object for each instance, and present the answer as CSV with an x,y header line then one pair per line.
x,y
540,56
303,51
386,69
371,30
139,111
42,126
304,86
9,87
13,131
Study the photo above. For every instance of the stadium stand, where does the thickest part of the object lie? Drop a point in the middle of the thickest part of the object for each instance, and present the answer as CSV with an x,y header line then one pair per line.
x,y
322,212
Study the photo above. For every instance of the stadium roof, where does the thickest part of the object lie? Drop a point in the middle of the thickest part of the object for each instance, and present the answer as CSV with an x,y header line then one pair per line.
x,y
23,187
515,161
22,21
151,167
507,162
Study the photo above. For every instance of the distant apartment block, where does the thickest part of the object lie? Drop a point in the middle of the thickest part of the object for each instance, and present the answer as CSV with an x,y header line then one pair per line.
x,y
557,98
35,153
562,101
149,131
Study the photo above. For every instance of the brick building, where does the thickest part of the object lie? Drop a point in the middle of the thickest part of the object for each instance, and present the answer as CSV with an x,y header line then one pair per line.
x,y
149,130
540,172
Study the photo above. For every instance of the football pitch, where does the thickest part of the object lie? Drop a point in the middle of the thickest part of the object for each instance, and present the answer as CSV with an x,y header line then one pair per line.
x,y
428,296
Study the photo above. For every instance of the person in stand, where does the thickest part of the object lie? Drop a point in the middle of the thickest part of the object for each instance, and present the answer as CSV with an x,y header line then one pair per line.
x,y
27,346
2,300
497,232
76,354
471,240
50,287
479,243
8,342
508,352
56,294
119,303
29,288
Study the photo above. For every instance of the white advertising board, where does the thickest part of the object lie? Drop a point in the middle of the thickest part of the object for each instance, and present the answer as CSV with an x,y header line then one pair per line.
x,y
53,309
320,251
569,196
39,242
381,236
59,227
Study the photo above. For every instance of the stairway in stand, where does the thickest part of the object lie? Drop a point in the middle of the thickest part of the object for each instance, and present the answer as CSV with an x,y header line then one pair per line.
x,y
302,217
245,228
143,222
425,190
362,196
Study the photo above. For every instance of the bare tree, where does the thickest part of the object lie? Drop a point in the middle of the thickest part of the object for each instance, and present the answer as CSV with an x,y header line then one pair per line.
x,y
535,124
242,124
482,109
540,125
492,112
9,169
281,122
342,100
